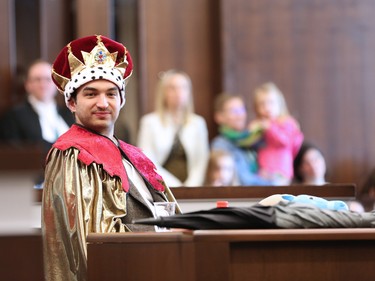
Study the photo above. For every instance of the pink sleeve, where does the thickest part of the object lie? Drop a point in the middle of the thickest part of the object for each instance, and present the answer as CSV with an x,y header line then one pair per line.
x,y
284,134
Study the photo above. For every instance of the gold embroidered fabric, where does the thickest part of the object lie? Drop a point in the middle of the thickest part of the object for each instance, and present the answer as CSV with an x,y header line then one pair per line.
x,y
77,200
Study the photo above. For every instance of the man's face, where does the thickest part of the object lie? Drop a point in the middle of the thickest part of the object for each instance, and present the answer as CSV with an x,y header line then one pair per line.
x,y
97,106
233,115
39,82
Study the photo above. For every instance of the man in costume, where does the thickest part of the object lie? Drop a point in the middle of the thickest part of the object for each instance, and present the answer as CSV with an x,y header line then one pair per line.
x,y
93,181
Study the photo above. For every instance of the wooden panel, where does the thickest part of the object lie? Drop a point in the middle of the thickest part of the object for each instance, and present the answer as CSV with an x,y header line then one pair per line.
x,y
30,30
255,192
147,256
265,255
320,54
217,265
21,257
226,255
56,26
321,234
94,17
308,261
126,32
28,34
181,35
7,45
26,158
332,191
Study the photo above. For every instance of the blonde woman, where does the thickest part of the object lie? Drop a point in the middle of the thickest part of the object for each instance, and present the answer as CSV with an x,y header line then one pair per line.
x,y
281,134
173,136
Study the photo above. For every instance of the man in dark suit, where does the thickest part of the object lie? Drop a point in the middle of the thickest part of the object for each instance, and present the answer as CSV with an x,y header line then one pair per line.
x,y
38,120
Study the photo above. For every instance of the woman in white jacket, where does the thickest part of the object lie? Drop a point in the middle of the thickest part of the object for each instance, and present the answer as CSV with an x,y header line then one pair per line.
x,y
173,136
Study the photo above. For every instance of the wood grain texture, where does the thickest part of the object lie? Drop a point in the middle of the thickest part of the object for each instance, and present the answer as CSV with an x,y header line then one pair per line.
x,y
235,255
320,55
180,35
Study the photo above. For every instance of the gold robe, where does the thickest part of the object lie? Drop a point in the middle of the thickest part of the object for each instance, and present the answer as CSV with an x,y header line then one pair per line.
x,y
79,199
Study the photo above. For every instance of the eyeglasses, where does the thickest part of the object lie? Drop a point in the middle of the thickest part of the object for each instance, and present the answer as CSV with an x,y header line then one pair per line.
x,y
236,110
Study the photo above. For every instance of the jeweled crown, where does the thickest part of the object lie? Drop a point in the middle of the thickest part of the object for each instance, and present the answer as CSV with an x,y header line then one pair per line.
x,y
88,52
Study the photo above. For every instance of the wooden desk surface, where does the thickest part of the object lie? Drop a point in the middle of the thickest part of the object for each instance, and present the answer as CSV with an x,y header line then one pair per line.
x,y
144,237
327,234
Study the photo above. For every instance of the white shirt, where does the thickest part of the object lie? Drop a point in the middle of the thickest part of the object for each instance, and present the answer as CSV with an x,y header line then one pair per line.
x,y
139,183
51,123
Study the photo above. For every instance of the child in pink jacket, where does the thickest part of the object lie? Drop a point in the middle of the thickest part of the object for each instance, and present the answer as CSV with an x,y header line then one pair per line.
x,y
281,134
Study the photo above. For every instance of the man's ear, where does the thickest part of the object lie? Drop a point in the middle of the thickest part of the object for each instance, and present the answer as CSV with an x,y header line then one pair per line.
x,y
72,105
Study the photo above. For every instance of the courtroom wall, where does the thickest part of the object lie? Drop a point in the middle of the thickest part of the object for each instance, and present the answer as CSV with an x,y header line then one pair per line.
x,y
320,54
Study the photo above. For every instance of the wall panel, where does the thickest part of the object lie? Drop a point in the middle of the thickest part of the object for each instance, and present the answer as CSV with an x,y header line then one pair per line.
x,y
7,45
320,54
94,17
29,30
181,35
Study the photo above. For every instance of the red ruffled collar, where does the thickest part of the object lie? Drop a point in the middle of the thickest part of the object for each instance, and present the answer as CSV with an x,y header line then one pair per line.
x,y
101,150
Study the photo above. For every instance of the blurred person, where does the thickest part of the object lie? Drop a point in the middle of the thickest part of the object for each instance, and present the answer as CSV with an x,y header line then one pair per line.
x,y
282,136
173,136
309,165
94,182
221,169
38,120
366,193
231,116
355,206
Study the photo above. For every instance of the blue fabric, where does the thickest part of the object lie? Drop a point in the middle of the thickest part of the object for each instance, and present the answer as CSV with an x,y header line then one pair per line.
x,y
245,160
317,201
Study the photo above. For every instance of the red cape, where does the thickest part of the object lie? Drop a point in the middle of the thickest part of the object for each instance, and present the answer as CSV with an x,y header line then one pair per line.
x,y
101,150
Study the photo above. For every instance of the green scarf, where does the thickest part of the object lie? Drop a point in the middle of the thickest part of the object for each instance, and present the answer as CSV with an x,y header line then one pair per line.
x,y
244,139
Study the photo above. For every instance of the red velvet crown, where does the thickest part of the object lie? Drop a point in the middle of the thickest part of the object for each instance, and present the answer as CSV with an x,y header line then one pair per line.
x,y
74,57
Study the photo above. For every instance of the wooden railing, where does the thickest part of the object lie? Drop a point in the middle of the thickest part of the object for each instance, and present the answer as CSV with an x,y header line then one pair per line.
x,y
326,191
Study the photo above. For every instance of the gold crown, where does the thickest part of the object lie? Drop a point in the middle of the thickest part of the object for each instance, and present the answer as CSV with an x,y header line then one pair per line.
x,y
67,65
99,56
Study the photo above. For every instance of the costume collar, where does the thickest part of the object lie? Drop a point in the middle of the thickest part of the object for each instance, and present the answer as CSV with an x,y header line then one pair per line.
x,y
109,155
